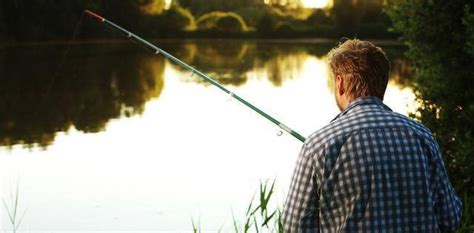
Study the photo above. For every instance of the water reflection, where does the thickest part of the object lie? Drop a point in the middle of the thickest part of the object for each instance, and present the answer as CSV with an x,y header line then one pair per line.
x,y
94,85
97,83
229,62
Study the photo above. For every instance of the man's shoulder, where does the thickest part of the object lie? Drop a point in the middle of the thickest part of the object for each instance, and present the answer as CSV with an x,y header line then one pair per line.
x,y
331,132
366,119
415,125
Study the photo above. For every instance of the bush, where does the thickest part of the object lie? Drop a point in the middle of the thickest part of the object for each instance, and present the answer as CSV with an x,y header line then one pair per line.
x,y
231,23
267,24
222,21
252,15
318,17
285,28
439,36
375,30
179,19
347,14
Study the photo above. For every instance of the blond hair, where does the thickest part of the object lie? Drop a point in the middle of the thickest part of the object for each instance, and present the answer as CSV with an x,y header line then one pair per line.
x,y
363,66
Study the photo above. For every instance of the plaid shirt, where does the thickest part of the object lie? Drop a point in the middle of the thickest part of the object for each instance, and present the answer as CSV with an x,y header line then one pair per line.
x,y
371,170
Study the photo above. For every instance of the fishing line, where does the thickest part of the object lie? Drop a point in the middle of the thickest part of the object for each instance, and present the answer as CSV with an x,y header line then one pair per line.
x,y
157,50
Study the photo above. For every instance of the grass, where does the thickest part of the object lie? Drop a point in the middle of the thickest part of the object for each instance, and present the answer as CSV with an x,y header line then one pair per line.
x,y
259,216
13,210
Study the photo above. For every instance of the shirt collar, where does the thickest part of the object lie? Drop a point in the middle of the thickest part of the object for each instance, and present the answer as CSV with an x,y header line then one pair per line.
x,y
368,100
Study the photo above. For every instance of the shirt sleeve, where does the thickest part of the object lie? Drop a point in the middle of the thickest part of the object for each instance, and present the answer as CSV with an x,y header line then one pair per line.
x,y
300,213
448,207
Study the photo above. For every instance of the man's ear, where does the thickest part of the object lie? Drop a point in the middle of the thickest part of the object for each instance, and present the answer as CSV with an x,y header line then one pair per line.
x,y
340,85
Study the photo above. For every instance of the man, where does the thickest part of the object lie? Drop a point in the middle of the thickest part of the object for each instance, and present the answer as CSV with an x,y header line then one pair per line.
x,y
370,169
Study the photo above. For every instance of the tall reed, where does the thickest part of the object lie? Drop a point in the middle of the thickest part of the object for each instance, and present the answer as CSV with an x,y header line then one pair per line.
x,y
260,215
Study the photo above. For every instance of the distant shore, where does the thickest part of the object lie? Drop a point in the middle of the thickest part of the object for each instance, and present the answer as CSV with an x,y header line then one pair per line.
x,y
382,42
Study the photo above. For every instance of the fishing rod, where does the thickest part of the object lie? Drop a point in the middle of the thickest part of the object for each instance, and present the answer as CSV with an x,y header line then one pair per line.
x,y
157,50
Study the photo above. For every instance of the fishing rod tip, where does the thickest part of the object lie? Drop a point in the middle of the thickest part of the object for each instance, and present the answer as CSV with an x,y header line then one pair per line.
x,y
94,15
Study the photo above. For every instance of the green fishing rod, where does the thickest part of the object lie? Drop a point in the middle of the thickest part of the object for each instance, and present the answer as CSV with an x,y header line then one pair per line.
x,y
157,50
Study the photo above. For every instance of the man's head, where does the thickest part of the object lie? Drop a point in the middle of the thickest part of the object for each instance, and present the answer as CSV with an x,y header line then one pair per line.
x,y
359,69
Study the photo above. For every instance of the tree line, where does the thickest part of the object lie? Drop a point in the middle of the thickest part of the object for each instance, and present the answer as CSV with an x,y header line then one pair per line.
x,y
39,20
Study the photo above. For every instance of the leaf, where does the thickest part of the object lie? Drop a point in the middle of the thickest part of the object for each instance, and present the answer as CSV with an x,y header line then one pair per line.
x,y
267,219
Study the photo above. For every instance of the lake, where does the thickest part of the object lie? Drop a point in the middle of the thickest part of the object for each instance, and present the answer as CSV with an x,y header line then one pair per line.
x,y
108,137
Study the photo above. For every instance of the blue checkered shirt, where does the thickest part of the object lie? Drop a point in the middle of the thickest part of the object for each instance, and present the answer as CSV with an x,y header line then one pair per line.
x,y
371,170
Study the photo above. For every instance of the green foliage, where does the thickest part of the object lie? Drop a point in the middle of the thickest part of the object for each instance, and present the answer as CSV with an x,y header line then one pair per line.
x,y
199,8
277,23
40,20
92,5
468,21
209,20
3,29
439,35
179,19
260,216
318,17
231,23
252,15
466,223
285,28
222,21
373,13
267,24
12,209
196,226
347,14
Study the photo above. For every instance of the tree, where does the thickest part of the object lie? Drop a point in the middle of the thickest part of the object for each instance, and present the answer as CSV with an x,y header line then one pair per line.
x,y
199,8
36,20
152,7
3,29
440,39
348,14
267,24
178,19
222,21
318,17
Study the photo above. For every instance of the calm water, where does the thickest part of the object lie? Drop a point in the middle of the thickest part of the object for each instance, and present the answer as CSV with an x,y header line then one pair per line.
x,y
113,138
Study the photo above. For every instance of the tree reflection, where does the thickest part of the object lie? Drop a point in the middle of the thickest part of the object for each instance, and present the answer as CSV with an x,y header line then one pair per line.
x,y
229,62
96,84
100,82
225,61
